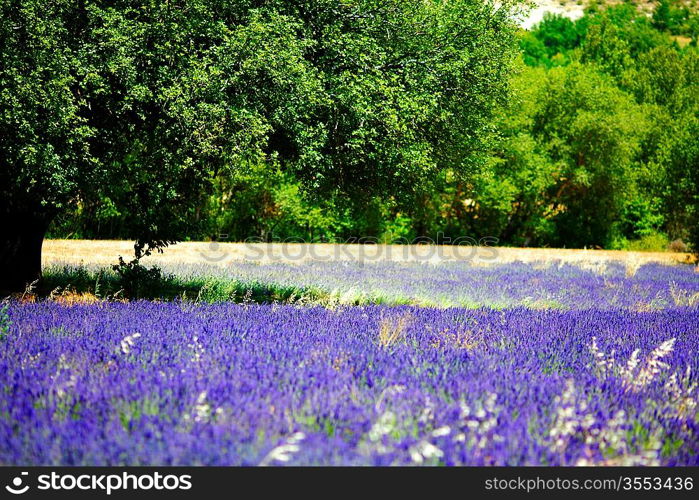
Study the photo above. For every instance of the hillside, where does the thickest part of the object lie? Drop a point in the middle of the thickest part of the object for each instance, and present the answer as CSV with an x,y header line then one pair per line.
x,y
573,9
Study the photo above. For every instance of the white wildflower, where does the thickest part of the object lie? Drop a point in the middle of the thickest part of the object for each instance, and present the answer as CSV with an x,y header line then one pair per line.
x,y
128,342
634,375
197,349
604,364
613,437
631,364
441,432
424,450
653,365
566,422
480,423
681,400
384,425
285,451
202,409
391,390
427,415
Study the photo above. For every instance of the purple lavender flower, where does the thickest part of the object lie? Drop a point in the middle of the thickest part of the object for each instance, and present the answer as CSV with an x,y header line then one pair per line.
x,y
223,384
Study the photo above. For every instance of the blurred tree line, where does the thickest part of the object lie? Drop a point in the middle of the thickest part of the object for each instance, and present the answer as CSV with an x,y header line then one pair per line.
x,y
597,146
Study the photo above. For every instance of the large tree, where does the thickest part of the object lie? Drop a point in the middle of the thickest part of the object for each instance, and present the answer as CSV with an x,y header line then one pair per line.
x,y
137,105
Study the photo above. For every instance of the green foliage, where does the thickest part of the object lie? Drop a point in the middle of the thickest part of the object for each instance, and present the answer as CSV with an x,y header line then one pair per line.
x,y
653,242
552,41
683,190
323,120
567,159
676,17
152,284
641,218
130,109
609,137
5,322
136,280
266,203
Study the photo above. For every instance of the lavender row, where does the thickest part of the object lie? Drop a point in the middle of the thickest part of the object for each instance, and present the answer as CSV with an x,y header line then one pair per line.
x,y
461,284
224,384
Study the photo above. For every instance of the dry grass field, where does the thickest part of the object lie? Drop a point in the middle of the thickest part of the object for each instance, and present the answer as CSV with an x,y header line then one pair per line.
x,y
106,252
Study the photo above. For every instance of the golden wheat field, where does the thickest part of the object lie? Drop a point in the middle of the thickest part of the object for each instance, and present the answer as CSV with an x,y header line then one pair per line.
x,y
106,252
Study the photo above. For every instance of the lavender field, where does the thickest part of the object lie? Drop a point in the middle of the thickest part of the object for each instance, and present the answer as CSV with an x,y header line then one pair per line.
x,y
538,285
541,285
519,365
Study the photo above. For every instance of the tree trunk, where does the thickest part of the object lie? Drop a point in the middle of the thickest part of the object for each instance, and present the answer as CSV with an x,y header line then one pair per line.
x,y
21,238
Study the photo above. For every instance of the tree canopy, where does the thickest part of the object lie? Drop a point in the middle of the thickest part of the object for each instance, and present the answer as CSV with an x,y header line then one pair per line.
x,y
332,120
137,106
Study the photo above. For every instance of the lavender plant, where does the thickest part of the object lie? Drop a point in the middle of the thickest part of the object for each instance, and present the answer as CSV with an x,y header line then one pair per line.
x,y
546,285
170,383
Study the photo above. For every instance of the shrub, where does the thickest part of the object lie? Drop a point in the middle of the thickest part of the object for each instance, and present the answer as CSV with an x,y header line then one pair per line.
x,y
678,246
136,280
655,242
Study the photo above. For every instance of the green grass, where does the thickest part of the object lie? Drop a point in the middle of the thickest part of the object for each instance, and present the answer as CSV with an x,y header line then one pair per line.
x,y
109,285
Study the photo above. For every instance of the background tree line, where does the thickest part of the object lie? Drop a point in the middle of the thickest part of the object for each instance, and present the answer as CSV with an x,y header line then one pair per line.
x,y
327,120
162,121
597,146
